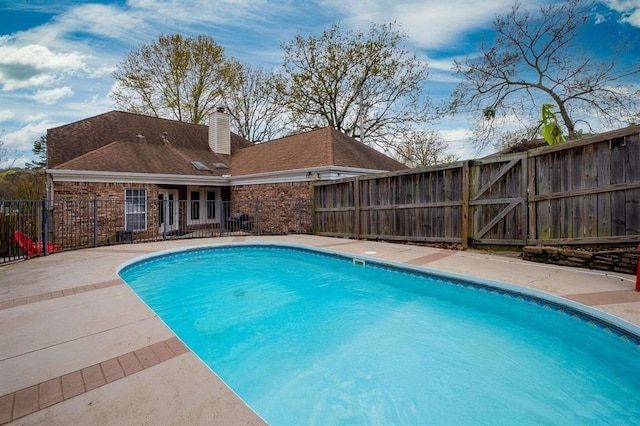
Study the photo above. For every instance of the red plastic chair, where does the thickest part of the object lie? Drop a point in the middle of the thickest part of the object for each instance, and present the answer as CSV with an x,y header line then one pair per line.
x,y
30,248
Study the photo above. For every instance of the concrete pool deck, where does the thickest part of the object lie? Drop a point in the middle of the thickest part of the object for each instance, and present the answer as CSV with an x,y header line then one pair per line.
x,y
79,347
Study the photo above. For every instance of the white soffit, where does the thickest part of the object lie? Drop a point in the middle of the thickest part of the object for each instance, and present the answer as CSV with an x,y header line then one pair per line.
x,y
298,175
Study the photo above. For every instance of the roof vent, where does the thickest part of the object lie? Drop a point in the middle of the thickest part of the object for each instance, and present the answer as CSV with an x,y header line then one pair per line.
x,y
140,137
200,165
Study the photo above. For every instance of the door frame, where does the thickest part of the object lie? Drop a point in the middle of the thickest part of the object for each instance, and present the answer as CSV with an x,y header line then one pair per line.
x,y
168,209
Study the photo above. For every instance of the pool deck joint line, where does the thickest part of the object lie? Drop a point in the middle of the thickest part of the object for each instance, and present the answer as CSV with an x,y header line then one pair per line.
x,y
6,304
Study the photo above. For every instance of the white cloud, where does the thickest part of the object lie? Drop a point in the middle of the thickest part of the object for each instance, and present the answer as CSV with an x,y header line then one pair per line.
x,y
30,118
429,24
22,140
178,12
6,115
459,141
100,19
101,71
629,9
51,96
34,65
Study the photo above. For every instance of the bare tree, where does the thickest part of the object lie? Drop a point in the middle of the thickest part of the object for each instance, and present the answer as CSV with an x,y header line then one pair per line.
x,y
255,104
174,77
418,148
364,84
6,154
534,61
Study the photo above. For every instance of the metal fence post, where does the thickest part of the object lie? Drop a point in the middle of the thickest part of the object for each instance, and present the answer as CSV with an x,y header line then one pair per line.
x,y
258,225
220,215
45,228
165,216
95,221
299,215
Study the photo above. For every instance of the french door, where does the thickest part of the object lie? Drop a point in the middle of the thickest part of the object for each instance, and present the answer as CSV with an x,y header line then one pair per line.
x,y
167,211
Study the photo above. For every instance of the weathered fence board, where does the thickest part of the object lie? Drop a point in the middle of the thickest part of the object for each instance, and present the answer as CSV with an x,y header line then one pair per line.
x,y
586,191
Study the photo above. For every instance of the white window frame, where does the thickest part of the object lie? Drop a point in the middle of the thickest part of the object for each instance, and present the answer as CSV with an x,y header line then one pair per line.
x,y
201,206
135,199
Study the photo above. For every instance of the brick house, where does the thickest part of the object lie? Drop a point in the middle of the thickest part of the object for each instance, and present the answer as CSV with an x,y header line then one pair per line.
x,y
189,171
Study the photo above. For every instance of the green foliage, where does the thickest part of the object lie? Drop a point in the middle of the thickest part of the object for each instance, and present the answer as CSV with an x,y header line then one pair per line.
x,y
364,84
550,130
174,77
39,149
22,184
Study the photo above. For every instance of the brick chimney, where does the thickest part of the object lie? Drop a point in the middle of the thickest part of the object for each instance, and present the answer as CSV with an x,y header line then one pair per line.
x,y
219,133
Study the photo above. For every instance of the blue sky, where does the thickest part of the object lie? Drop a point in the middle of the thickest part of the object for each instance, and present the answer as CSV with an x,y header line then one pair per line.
x,y
57,57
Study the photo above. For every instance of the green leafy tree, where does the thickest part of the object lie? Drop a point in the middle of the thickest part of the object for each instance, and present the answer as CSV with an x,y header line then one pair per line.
x,y
534,60
176,77
39,149
22,184
364,84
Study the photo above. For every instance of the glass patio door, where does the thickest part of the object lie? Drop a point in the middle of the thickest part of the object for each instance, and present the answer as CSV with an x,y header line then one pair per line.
x,y
167,211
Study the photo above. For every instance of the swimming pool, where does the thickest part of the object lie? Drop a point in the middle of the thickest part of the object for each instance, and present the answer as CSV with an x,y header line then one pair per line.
x,y
309,337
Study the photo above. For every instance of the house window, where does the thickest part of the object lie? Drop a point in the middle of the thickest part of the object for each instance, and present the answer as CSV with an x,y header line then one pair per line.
x,y
211,205
135,209
202,205
194,205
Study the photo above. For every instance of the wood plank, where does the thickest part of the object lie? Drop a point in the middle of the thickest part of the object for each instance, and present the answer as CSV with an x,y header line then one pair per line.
x,y
464,216
590,191
496,219
618,198
503,170
409,238
604,199
411,206
555,186
614,134
498,242
632,174
496,201
543,209
590,167
531,179
356,208
524,211
335,209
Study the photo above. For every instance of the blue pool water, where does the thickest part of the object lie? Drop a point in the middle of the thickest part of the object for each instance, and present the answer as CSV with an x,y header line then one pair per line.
x,y
306,337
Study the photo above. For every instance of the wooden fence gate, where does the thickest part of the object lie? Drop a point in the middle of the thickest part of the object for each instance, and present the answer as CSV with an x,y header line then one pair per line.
x,y
580,192
498,200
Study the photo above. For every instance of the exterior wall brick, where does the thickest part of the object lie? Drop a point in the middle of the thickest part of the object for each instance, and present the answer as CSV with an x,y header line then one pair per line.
x,y
278,208
272,209
72,211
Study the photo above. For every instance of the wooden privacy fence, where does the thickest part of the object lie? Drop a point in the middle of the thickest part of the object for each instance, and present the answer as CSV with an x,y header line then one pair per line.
x,y
582,192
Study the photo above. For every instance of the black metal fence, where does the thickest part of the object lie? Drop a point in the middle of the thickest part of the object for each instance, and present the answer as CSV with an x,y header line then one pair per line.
x,y
52,225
